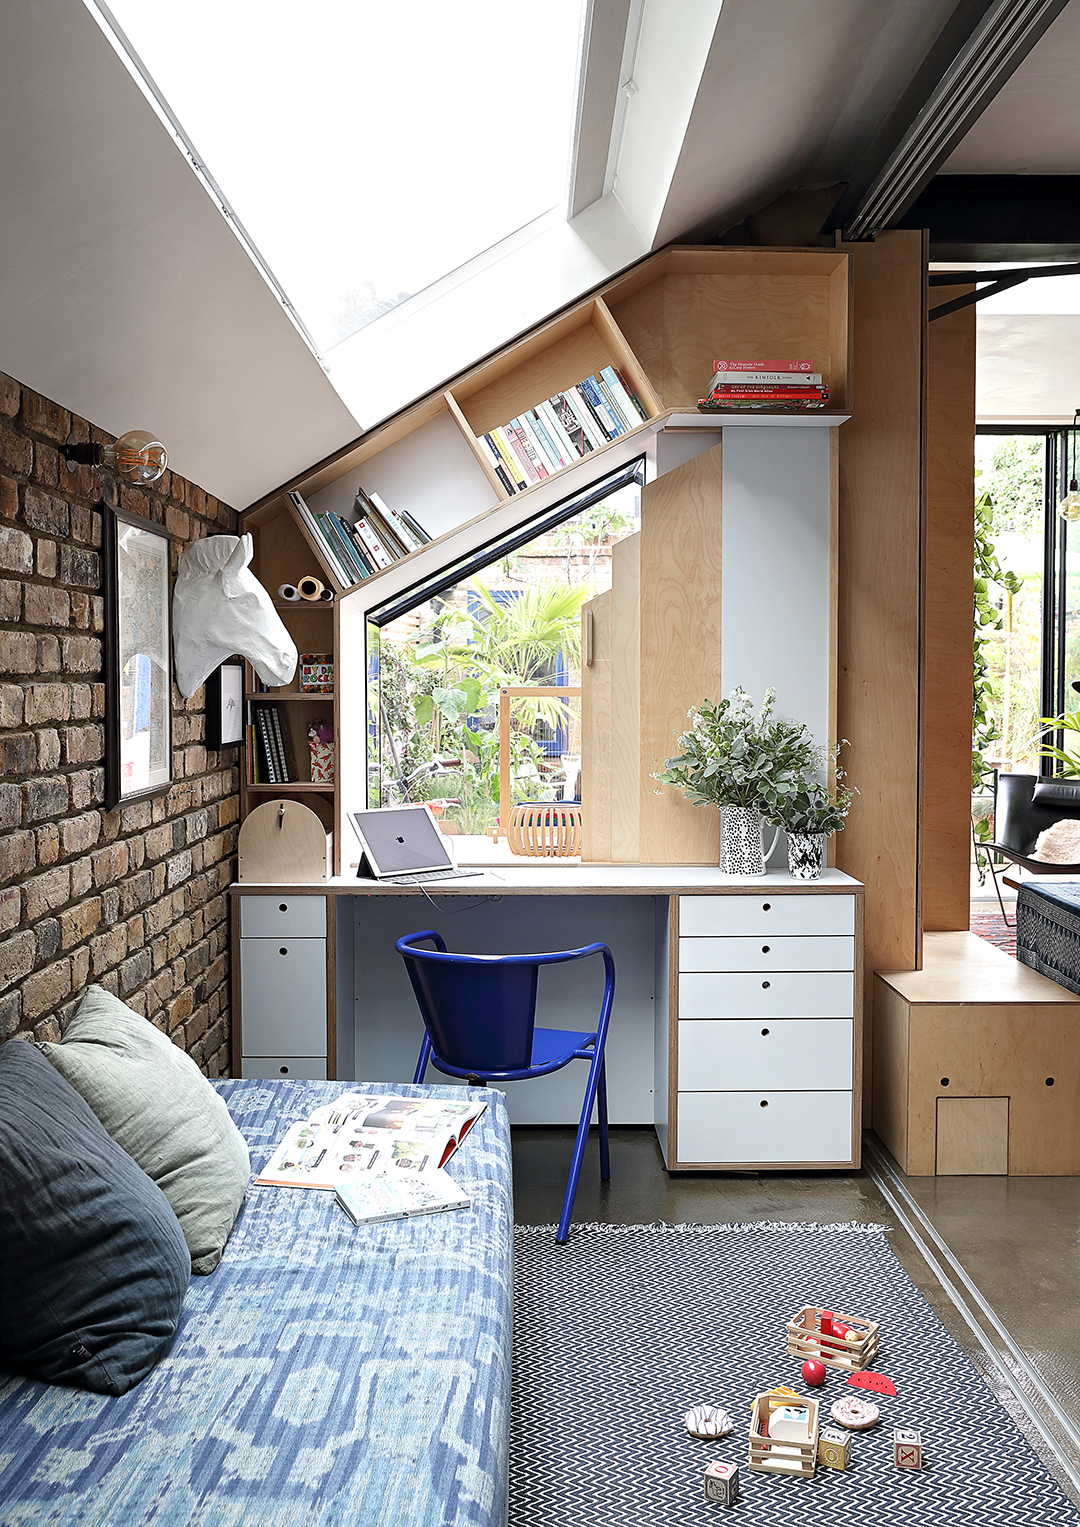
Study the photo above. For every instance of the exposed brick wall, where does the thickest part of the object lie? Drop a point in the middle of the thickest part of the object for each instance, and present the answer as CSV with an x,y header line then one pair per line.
x,y
133,899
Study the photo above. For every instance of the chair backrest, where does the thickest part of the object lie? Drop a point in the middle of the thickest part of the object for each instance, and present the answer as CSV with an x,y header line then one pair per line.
x,y
1027,805
479,1009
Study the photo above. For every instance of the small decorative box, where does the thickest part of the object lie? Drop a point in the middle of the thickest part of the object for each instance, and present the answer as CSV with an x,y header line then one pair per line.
x,y
317,673
722,1483
321,743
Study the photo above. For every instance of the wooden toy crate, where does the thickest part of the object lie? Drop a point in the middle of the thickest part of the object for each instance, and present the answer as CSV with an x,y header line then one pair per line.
x,y
805,1339
782,1457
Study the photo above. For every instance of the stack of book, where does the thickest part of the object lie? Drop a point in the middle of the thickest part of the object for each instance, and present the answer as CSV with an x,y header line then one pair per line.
x,y
269,745
562,429
354,549
765,384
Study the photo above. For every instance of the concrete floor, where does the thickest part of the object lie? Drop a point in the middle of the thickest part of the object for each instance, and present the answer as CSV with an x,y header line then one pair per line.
x,y
1008,1243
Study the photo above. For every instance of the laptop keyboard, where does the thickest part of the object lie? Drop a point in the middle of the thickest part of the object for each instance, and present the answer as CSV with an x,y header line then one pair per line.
x,y
428,875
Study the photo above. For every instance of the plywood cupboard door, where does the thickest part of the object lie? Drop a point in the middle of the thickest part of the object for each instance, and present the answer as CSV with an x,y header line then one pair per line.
x,y
625,698
950,453
596,727
879,626
972,1137
679,648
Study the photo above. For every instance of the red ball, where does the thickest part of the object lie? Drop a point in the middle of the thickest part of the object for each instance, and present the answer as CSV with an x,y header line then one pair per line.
x,y
813,1372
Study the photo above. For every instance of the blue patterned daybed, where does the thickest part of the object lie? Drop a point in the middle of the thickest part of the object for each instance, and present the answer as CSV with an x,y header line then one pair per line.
x,y
323,1375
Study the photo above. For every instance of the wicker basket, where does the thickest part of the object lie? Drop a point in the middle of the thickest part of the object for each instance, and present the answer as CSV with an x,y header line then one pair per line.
x,y
545,829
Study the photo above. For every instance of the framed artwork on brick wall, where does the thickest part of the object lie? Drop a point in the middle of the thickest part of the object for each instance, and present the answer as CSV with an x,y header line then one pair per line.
x,y
138,658
225,706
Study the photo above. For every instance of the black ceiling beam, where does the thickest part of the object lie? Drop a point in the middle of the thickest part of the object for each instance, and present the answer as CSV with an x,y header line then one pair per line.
x,y
999,217
978,49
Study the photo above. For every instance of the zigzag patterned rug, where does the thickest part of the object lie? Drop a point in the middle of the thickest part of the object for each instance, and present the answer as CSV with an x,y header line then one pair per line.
x,y
620,1331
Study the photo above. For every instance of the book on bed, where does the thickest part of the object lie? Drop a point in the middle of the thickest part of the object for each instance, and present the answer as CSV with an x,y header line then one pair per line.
x,y
370,1200
365,1135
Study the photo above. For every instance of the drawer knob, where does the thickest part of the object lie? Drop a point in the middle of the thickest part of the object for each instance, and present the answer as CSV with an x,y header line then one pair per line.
x,y
765,985
283,906
944,1081
283,950
766,906
284,1070
764,1103
766,949
764,1033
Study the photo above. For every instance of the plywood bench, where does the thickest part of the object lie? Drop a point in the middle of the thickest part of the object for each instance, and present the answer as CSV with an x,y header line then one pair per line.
x,y
976,1065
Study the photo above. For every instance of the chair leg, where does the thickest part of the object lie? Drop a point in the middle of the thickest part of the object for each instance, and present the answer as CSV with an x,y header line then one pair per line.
x,y
595,1072
601,1113
1001,904
422,1062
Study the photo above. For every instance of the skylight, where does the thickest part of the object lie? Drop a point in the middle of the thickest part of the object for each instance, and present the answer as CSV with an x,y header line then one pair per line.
x,y
367,149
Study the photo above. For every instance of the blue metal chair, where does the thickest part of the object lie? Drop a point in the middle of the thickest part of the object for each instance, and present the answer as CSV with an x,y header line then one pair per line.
x,y
479,1013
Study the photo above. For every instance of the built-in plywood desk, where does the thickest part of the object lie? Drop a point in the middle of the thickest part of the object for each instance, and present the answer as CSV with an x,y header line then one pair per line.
x,y
733,1030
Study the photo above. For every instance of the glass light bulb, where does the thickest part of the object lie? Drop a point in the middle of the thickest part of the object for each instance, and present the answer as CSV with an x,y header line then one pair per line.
x,y
136,457
1069,508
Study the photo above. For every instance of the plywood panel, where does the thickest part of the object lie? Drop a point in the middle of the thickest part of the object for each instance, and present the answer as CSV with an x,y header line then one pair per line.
x,y
596,727
973,1137
625,697
568,360
950,470
879,596
680,647
640,317
741,317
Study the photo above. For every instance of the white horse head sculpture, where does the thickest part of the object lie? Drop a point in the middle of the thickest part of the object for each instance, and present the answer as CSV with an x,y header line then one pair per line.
x,y
220,608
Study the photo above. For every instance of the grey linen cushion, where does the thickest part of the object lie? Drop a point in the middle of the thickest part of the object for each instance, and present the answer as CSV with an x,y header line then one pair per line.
x,y
155,1102
93,1267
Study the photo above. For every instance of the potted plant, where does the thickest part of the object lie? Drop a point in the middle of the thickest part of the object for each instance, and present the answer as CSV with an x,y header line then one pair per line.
x,y
746,764
810,815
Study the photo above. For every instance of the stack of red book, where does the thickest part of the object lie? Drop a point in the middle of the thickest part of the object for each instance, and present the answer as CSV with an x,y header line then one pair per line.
x,y
766,384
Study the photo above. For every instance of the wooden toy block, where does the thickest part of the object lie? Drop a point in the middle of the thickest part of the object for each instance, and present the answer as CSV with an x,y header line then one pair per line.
x,y
907,1449
722,1483
806,1339
782,1455
834,1449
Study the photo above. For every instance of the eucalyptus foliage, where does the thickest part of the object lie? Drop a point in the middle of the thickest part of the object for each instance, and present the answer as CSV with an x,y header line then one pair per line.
x,y
813,807
730,757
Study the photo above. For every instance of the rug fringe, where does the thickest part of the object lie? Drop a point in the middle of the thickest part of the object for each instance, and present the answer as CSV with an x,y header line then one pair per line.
x,y
665,1227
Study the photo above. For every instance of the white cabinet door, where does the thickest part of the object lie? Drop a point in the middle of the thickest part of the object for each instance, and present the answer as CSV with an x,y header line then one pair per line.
x,y
760,916
308,1068
796,1054
283,996
736,1127
283,917
781,994
785,953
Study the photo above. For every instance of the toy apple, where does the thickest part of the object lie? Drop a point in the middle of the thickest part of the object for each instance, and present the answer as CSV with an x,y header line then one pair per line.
x,y
813,1372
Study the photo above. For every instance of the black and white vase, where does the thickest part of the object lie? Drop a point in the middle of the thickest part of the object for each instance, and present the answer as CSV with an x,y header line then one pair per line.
x,y
805,854
741,848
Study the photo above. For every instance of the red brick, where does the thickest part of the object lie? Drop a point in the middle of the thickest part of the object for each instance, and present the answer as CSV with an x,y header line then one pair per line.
x,y
16,958
79,922
9,498
16,550
16,855
81,654
46,465
82,744
10,909
10,599
47,512
43,417
46,558
48,748
79,834
45,989
48,843
44,606
47,702
16,452
47,892
108,949
11,705
18,653
110,864
10,396
48,654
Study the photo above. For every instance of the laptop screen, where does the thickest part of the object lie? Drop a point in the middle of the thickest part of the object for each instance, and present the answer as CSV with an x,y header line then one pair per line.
x,y
400,840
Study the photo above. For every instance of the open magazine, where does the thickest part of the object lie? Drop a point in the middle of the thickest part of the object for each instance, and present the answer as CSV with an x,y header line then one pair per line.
x,y
364,1135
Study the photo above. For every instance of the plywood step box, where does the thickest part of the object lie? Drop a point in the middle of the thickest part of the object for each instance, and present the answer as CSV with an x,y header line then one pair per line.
x,y
285,842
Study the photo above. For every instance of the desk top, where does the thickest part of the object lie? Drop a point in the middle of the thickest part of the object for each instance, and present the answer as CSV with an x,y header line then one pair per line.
x,y
555,877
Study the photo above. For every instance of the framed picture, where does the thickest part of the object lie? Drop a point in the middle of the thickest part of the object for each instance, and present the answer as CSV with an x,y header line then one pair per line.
x,y
225,706
138,658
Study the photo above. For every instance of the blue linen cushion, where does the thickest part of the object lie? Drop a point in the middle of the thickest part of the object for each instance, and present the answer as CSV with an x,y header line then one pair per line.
x,y
155,1102
93,1264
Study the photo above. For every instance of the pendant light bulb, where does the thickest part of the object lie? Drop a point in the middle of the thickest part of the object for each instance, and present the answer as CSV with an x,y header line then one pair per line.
x,y
136,457
1069,508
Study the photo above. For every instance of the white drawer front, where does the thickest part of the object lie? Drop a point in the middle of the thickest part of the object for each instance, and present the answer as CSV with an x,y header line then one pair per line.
x,y
796,1054
781,994
307,1068
757,916
791,1126
283,917
283,996
827,952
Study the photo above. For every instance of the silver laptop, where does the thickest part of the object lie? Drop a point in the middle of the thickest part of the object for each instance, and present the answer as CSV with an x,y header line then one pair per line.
x,y
403,846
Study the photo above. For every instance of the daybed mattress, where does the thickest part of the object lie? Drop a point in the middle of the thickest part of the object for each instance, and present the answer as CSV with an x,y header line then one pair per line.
x,y
1048,931
324,1374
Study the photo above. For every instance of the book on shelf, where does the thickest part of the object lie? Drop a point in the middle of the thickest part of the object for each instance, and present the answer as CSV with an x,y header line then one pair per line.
x,y
411,535
321,539
343,543
382,527
378,1196
767,379
364,1135
561,429
271,760
374,549
784,365
768,392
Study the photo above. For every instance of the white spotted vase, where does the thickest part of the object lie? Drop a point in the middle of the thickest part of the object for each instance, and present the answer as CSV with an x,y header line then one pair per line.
x,y
741,849
805,854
